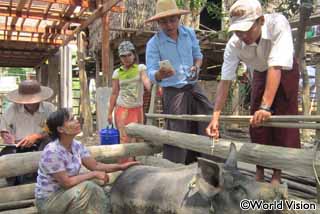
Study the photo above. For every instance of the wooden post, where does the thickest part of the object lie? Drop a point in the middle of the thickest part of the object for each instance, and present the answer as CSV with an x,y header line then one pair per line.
x,y
152,103
235,102
111,67
44,74
305,12
105,49
98,69
66,77
53,77
38,71
84,90
318,131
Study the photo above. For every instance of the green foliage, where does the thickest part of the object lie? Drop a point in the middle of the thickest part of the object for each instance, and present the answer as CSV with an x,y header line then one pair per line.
x,y
20,72
194,5
215,10
197,4
288,8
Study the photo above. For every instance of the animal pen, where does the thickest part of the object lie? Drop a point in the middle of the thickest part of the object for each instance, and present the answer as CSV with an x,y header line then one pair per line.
x,y
36,33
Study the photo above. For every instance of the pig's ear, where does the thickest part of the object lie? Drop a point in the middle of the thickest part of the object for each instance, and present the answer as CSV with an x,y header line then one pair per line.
x,y
231,162
209,177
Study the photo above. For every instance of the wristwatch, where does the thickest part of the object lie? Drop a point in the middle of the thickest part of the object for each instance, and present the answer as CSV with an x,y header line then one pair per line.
x,y
265,107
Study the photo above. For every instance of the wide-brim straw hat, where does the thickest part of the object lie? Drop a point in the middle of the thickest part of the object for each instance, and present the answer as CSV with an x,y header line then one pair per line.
x,y
166,8
29,92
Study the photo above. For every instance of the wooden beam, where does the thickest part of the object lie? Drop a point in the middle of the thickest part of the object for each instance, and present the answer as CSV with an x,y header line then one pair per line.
x,y
97,14
30,29
22,53
29,5
17,65
22,45
19,8
32,40
81,3
67,13
313,20
19,57
37,16
274,157
20,62
312,48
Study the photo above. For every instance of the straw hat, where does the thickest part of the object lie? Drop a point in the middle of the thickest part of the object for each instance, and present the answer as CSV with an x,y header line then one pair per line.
x,y
166,8
29,92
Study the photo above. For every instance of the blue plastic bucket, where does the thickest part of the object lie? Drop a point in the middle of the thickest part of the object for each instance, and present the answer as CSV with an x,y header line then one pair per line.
x,y
109,136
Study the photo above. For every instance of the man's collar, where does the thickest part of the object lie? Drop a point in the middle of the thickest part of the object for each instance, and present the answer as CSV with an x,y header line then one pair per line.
x,y
21,108
181,31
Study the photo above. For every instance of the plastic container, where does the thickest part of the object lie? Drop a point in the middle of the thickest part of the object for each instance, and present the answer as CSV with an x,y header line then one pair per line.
x,y
109,136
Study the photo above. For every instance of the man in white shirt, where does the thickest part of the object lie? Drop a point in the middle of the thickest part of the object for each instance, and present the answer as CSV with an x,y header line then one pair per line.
x,y
264,43
22,124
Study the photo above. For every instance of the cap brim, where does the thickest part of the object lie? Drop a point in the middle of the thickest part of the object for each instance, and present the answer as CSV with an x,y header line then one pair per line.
x,y
167,14
241,26
125,53
44,94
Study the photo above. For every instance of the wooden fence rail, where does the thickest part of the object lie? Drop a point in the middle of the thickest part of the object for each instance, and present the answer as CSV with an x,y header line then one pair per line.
x,y
289,121
296,161
23,163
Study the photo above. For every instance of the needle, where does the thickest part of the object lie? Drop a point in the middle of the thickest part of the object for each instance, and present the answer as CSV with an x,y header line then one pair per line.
x,y
214,141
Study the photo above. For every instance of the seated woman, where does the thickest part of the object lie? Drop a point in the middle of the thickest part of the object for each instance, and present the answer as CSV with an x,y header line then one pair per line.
x,y
60,188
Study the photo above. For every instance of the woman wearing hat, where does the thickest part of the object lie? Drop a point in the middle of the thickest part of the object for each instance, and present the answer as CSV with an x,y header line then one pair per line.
x,y
128,84
181,93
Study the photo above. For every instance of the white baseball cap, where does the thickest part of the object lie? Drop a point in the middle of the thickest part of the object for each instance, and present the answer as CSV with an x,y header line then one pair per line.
x,y
243,14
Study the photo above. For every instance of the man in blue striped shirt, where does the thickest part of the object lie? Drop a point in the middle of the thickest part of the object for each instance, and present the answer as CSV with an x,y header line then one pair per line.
x,y
179,46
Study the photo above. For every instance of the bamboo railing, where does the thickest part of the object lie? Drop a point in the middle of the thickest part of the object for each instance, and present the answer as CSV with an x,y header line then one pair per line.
x,y
287,121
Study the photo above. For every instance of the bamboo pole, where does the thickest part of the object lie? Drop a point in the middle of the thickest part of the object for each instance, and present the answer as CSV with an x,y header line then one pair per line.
x,y
23,163
16,204
288,121
296,161
17,193
29,210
